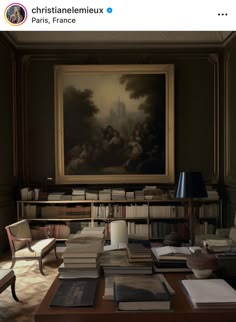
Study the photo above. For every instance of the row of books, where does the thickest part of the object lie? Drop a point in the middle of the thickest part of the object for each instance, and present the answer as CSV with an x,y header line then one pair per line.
x,y
210,210
147,193
115,211
155,230
53,211
138,230
158,230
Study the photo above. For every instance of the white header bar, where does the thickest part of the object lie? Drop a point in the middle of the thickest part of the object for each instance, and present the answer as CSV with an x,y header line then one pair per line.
x,y
117,15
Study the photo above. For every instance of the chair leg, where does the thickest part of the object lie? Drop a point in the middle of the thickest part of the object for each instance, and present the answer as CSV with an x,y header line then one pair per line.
x,y
13,291
13,261
41,266
55,251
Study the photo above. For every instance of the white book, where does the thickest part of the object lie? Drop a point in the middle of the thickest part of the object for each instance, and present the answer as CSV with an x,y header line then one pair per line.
x,y
78,274
218,242
170,250
203,292
93,230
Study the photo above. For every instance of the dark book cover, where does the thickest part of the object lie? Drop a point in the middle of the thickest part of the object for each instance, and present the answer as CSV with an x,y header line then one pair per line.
x,y
138,251
139,288
77,292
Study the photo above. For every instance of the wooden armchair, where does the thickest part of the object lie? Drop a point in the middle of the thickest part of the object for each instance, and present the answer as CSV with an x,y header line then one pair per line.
x,y
24,247
7,278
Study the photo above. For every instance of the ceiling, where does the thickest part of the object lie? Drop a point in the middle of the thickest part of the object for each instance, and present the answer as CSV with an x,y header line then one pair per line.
x,y
23,39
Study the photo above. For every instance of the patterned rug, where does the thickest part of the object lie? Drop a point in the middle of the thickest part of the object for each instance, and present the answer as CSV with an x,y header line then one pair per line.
x,y
31,288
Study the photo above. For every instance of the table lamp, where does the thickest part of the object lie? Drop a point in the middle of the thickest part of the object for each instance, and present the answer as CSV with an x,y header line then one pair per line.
x,y
190,186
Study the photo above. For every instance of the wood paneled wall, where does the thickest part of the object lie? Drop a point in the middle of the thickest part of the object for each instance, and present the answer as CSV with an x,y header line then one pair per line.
x,y
230,132
8,163
205,113
196,107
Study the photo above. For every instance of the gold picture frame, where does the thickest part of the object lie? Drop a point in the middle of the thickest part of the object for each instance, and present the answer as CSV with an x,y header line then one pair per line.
x,y
114,124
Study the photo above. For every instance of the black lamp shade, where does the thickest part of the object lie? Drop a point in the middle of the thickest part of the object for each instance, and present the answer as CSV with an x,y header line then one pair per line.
x,y
190,185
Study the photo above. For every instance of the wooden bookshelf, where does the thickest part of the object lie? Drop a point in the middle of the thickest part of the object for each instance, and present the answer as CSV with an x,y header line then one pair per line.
x,y
160,216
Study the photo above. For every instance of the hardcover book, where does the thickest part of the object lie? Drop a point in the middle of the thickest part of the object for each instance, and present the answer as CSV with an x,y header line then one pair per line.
x,y
145,292
86,260
116,262
210,293
138,252
72,293
78,274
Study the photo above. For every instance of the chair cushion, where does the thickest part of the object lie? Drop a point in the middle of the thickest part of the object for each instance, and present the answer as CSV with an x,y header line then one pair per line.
x,y
5,276
40,247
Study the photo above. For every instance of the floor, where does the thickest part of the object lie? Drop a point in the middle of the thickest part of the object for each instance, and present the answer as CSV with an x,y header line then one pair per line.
x,y
31,287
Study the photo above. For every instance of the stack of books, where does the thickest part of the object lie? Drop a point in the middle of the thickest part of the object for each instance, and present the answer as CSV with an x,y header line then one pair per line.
x,y
130,195
170,259
78,194
139,194
104,194
151,192
142,293
212,194
91,195
97,232
137,253
81,256
54,196
116,262
66,196
118,194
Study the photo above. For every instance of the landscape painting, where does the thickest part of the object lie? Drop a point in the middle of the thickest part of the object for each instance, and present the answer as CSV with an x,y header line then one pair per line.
x,y
114,123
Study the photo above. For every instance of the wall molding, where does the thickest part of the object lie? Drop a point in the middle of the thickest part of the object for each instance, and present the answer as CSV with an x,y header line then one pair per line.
x,y
229,173
114,44
214,59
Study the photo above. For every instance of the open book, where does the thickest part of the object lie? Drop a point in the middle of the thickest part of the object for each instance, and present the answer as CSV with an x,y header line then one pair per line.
x,y
171,253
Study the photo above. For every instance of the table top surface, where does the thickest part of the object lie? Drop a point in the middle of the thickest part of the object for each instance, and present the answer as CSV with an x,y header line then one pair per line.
x,y
107,310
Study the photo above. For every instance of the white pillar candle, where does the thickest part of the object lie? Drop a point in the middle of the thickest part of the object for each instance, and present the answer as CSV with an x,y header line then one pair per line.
x,y
119,232
24,193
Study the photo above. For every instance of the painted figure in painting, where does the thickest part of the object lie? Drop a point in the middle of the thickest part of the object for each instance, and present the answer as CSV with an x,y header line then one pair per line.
x,y
106,133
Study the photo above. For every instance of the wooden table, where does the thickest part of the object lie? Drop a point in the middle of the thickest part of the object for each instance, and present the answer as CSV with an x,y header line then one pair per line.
x,y
106,311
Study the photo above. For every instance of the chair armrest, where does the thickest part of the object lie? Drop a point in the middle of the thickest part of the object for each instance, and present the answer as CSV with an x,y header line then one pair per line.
x,y
26,240
13,237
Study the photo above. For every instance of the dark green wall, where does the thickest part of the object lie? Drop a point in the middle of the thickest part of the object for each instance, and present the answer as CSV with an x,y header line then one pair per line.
x,y
195,107
230,132
7,156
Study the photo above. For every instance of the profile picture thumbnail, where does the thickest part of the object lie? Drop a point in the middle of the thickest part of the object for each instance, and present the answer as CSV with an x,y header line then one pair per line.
x,y
16,14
